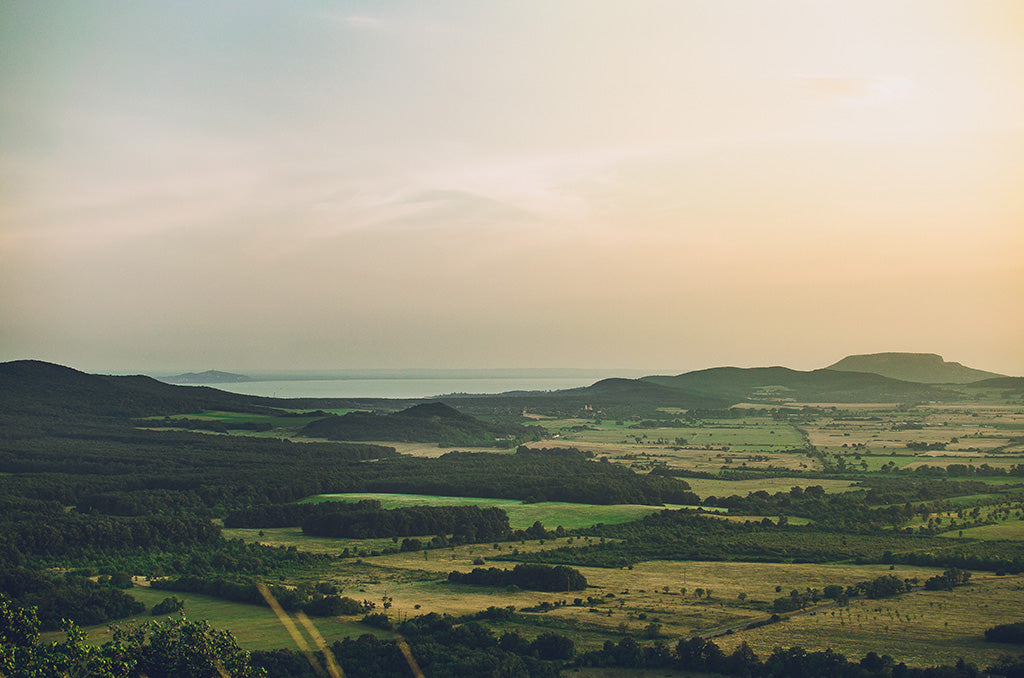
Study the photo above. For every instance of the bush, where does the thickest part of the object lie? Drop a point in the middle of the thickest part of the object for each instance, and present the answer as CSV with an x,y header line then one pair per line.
x,y
553,646
332,606
1006,633
168,605
378,620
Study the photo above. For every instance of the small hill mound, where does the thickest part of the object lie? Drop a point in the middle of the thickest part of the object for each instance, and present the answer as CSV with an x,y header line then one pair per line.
x,y
922,368
436,410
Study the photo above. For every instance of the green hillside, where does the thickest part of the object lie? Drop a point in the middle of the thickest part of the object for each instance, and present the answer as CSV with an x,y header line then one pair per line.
x,y
781,384
426,423
33,387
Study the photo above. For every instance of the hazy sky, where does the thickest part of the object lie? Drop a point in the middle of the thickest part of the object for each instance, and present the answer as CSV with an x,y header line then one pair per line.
x,y
665,185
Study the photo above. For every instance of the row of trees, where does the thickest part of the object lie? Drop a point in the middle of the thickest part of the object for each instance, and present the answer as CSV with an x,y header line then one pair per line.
x,y
525,576
702,655
465,523
292,515
320,600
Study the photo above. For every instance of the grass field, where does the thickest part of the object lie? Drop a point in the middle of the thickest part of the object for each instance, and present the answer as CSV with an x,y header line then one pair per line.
x,y
920,628
747,434
254,626
918,635
705,487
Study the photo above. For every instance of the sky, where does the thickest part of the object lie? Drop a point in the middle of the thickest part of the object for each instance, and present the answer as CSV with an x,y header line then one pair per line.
x,y
665,185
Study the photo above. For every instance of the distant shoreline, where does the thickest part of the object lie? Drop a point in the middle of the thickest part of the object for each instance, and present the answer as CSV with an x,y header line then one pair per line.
x,y
406,384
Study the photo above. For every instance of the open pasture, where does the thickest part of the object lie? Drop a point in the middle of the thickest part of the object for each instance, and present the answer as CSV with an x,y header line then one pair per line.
x,y
920,628
883,430
748,435
911,628
652,593
707,487
643,457
1006,529
255,627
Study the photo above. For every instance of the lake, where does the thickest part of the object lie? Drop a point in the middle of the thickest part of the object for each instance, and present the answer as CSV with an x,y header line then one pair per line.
x,y
415,383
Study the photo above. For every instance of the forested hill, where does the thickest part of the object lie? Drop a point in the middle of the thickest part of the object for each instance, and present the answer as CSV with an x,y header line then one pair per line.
x,y
1011,384
641,392
428,422
768,384
36,388
924,368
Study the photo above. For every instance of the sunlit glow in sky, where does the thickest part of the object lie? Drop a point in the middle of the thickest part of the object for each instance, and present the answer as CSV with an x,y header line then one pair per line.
x,y
666,185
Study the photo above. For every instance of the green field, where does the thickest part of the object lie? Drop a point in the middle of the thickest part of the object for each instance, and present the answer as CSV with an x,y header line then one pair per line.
x,y
254,626
1009,529
706,487
521,515
747,435
920,628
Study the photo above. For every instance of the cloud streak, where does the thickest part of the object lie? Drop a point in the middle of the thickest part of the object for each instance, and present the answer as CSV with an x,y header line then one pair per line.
x,y
861,89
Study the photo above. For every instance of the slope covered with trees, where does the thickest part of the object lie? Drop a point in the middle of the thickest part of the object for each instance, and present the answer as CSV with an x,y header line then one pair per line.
x,y
424,423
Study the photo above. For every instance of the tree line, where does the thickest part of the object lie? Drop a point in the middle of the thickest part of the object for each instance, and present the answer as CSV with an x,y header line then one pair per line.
x,y
526,576
464,523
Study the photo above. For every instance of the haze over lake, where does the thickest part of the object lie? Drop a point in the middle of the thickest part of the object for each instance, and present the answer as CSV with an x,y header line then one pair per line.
x,y
414,383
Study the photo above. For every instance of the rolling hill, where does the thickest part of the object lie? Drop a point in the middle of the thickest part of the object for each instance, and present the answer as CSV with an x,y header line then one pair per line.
x,y
37,388
432,422
781,384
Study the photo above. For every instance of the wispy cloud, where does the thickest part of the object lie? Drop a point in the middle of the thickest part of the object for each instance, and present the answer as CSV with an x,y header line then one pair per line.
x,y
854,88
359,22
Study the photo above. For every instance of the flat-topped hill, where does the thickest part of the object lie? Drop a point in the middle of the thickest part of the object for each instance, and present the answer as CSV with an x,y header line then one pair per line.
x,y
923,368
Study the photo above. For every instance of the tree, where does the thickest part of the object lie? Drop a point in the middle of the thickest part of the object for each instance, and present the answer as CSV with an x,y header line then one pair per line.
x,y
19,626
181,647
553,646
158,649
699,654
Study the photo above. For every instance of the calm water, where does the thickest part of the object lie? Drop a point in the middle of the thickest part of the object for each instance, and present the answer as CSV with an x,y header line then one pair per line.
x,y
397,385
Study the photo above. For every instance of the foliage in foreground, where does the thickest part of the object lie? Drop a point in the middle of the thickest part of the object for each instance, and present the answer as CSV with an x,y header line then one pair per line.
x,y
439,645
159,649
